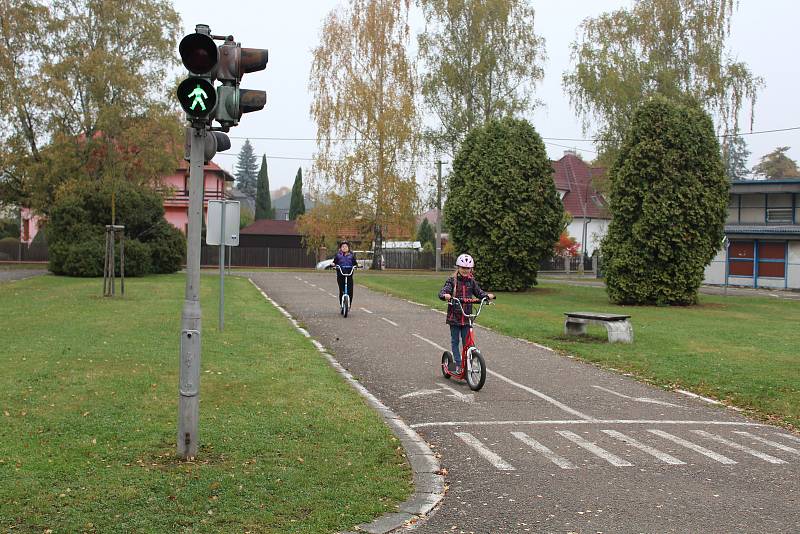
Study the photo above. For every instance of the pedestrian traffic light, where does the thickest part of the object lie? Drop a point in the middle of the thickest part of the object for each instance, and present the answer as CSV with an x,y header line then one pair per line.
x,y
227,63
233,62
199,54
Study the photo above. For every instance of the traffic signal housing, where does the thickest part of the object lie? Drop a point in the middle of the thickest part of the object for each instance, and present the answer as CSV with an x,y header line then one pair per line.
x,y
200,55
233,63
207,62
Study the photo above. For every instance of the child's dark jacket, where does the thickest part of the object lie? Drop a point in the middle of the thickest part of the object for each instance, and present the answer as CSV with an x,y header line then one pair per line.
x,y
466,288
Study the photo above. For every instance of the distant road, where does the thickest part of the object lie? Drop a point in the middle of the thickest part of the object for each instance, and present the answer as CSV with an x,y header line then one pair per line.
x,y
7,275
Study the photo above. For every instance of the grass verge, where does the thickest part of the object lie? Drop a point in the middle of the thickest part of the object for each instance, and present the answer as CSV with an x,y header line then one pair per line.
x,y
742,350
88,408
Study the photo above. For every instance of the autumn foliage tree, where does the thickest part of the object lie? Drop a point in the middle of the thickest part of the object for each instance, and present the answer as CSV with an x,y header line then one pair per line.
x,y
363,89
72,100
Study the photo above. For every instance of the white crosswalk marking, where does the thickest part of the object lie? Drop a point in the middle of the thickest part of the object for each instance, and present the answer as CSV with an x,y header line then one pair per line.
x,y
693,446
594,449
538,447
664,457
739,447
493,458
768,442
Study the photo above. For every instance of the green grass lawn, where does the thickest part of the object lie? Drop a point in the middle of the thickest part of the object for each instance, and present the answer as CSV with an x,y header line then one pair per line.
x,y
742,350
88,409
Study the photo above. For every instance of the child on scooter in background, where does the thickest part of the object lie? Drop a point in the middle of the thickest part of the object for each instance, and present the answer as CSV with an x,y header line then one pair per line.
x,y
461,285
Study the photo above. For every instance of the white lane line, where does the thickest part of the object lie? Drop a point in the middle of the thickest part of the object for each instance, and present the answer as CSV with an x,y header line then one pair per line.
x,y
664,457
469,398
322,289
525,388
693,446
426,340
366,310
771,443
312,285
542,396
588,422
696,396
390,322
788,436
594,449
739,447
637,399
563,463
479,447
420,393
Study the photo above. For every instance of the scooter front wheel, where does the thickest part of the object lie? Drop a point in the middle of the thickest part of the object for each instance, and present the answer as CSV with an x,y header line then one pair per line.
x,y
346,305
446,359
476,374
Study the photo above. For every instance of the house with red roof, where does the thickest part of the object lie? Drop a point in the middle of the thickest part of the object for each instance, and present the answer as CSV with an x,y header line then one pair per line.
x,y
573,178
176,189
590,215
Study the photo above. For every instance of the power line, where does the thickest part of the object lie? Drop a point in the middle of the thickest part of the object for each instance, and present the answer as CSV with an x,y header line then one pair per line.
x,y
573,139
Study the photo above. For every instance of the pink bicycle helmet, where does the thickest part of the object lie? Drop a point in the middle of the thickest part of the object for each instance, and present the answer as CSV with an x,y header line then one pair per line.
x,y
465,260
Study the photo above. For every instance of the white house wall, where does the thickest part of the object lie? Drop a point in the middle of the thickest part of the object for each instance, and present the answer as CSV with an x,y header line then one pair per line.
x,y
595,231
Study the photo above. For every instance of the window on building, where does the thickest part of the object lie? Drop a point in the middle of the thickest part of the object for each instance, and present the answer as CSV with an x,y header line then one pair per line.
x,y
772,259
741,256
779,215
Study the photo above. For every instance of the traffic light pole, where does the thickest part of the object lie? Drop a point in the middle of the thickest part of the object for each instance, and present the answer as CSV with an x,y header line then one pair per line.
x,y
189,385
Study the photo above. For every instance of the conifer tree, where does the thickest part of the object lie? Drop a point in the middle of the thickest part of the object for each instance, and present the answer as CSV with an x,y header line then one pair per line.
x,y
298,204
263,200
246,171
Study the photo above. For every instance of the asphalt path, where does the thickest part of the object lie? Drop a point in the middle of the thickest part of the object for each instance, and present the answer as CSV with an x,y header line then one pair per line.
x,y
9,275
551,444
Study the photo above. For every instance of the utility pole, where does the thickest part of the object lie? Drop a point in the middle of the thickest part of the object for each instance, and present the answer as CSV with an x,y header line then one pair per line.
x,y
438,215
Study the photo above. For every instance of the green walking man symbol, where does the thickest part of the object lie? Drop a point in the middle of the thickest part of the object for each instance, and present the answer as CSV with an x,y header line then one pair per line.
x,y
198,95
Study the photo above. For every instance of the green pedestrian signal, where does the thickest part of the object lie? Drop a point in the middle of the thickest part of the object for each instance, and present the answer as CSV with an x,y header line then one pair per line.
x,y
197,96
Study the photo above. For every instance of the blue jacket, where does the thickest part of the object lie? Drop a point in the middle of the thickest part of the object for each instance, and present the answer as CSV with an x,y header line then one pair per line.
x,y
345,260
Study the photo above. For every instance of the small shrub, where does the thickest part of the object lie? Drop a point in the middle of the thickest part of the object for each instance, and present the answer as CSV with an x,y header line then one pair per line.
x,y
167,248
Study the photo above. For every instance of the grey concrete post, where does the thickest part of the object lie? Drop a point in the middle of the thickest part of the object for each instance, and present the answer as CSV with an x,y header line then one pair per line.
x,y
189,383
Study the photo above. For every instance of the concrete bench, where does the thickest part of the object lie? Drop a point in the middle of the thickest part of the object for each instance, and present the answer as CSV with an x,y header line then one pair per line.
x,y
619,327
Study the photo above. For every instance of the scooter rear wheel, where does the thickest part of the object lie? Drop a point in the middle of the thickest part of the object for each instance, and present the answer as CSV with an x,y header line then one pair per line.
x,y
476,375
446,359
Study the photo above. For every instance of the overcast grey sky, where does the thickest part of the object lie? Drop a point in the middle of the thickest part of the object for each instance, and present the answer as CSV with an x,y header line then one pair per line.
x,y
763,35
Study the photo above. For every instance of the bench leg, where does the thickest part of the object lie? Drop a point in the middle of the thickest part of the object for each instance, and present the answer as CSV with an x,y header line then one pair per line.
x,y
575,327
619,332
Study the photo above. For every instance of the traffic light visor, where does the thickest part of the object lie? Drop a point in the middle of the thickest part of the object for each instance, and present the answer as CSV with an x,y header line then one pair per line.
x,y
198,53
253,59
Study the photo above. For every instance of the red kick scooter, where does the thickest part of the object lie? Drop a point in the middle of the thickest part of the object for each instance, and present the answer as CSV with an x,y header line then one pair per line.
x,y
473,366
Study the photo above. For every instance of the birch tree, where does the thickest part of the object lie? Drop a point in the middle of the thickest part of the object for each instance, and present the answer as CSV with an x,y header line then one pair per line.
x,y
671,47
363,89
483,61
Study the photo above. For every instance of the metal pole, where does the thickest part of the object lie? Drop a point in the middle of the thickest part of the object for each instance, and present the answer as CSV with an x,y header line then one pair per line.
x,y
222,268
438,215
189,385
